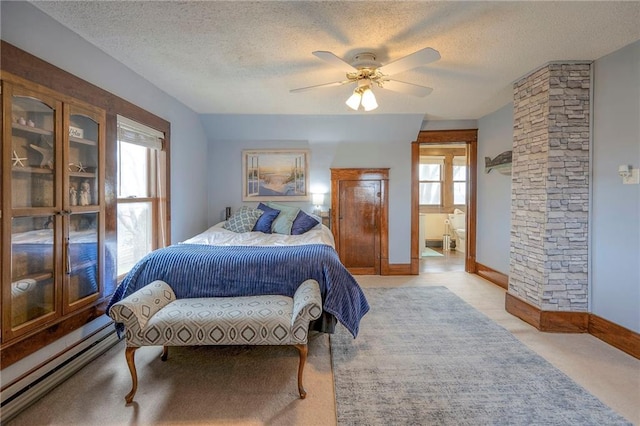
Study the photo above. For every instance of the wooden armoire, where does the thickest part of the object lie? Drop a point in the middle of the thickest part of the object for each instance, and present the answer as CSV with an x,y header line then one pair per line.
x,y
359,217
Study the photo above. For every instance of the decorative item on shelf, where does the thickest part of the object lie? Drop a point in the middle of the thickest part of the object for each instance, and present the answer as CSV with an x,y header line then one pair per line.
x,y
84,198
17,160
76,132
81,168
73,196
31,123
22,121
46,151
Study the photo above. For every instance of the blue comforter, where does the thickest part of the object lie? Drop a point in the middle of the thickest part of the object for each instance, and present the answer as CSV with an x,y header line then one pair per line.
x,y
194,270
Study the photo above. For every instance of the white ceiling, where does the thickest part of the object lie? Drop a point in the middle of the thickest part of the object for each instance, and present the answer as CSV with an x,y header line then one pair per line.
x,y
242,57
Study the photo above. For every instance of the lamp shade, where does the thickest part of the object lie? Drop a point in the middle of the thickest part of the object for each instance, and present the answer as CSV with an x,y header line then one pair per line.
x,y
317,199
354,100
369,100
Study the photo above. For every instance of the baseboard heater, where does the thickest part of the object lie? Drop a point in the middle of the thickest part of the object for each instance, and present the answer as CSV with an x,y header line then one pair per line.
x,y
32,387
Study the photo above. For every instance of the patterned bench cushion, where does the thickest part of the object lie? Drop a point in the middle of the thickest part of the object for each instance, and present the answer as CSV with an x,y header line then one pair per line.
x,y
251,320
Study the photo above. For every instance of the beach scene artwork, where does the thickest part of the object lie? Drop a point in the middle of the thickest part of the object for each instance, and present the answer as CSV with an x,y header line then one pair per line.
x,y
275,175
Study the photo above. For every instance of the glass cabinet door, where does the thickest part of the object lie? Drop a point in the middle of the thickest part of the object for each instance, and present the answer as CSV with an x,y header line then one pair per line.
x,y
82,195
82,254
31,228
33,289
33,151
83,159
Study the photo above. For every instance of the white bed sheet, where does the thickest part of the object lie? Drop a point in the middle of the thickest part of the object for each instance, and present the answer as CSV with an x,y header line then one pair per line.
x,y
218,236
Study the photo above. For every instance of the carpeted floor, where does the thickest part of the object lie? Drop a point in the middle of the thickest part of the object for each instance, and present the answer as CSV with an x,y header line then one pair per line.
x,y
425,357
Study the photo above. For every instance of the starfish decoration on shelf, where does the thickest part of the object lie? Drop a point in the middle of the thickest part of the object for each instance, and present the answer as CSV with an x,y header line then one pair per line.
x,y
17,160
80,167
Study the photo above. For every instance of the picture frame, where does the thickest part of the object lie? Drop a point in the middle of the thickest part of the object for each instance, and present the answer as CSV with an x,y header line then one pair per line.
x,y
275,175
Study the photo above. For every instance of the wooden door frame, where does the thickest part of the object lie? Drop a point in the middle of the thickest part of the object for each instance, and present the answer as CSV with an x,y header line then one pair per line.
x,y
377,174
470,138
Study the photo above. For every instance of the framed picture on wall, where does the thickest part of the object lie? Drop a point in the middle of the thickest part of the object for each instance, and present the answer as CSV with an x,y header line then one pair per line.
x,y
275,175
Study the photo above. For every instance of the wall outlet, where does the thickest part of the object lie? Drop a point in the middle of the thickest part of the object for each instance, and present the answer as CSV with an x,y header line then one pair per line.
x,y
634,179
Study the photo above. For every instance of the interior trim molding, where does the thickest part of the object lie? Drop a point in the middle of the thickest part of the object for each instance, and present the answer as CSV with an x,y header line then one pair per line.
x,y
615,335
470,138
395,268
575,322
492,275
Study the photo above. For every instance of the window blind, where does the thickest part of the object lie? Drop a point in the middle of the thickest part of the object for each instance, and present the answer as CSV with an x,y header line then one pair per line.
x,y
138,134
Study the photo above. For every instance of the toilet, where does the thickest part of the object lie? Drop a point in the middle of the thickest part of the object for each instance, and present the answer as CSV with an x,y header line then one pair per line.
x,y
458,223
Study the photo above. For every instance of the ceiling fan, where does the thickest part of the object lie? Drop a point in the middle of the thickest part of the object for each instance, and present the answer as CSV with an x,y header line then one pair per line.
x,y
366,72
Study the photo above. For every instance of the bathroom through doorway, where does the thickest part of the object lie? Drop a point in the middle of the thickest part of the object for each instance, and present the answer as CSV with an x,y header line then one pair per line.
x,y
443,201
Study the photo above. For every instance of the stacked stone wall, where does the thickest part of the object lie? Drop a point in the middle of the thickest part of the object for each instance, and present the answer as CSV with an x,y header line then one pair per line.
x,y
550,188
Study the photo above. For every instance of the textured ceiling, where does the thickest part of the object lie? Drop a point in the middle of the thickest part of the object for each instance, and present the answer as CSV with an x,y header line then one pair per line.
x,y
244,57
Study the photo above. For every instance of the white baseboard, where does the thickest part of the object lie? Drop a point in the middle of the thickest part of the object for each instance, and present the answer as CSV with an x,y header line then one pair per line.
x,y
24,392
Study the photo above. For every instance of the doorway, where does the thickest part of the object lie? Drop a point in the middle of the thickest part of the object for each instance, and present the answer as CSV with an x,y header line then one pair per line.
x,y
443,200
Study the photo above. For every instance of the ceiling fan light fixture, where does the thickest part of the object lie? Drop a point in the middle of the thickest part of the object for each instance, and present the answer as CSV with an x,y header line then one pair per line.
x,y
354,100
369,102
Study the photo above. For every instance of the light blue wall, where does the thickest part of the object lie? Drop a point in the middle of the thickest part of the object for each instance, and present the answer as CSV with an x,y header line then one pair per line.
x,y
334,141
27,28
31,30
495,135
615,212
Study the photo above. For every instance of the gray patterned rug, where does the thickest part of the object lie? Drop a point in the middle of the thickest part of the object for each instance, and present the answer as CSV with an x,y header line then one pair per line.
x,y
426,357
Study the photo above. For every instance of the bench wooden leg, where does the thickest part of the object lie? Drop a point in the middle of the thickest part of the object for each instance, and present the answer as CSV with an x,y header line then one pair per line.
x,y
129,353
303,359
165,353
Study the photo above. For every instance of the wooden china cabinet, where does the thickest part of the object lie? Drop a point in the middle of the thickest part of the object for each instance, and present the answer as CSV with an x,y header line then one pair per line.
x,y
53,207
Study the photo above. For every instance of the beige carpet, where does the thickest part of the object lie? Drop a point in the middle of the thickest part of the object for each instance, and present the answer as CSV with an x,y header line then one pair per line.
x,y
196,385
257,386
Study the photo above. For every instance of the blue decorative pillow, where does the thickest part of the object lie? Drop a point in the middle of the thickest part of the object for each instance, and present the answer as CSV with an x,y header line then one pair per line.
x,y
266,220
243,220
284,221
303,223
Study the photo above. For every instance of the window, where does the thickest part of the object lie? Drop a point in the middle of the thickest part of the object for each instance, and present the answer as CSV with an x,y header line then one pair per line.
x,y
442,176
141,192
430,176
459,180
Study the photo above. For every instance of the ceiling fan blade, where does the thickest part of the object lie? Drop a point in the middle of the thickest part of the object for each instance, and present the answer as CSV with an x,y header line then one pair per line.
x,y
333,84
334,60
407,88
416,59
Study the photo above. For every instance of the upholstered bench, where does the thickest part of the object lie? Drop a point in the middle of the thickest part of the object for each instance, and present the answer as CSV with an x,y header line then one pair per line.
x,y
152,316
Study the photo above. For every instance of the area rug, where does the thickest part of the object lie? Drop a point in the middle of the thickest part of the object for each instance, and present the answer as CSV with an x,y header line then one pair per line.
x,y
426,357
429,252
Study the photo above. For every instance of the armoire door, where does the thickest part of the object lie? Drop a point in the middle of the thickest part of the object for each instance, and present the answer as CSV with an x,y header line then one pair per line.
x,y
358,218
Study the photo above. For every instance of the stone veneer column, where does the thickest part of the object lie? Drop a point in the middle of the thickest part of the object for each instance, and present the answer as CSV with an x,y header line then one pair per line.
x,y
550,188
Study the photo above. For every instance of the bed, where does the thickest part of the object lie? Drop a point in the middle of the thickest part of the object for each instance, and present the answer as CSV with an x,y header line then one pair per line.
x,y
220,262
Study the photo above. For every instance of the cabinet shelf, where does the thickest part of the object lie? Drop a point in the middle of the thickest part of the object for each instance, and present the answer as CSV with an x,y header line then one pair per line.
x,y
82,141
82,174
41,276
80,267
29,129
29,169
